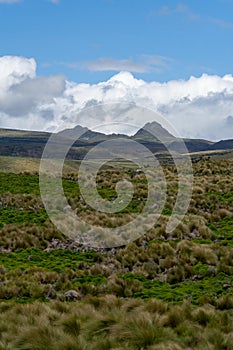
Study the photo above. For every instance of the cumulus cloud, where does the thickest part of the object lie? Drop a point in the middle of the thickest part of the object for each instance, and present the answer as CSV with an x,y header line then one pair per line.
x,y
200,107
24,97
22,93
15,69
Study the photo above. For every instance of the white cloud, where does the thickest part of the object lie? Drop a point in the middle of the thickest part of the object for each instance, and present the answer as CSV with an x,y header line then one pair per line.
x,y
198,107
22,92
144,64
14,69
25,97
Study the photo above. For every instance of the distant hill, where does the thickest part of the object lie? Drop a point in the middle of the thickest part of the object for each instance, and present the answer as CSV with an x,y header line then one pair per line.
x,y
22,143
223,144
83,133
192,145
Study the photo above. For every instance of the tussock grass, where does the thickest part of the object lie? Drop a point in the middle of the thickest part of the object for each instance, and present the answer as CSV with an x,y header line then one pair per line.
x,y
56,325
163,291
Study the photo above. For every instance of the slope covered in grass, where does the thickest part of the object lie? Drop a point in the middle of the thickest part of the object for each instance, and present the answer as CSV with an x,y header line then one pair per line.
x,y
189,270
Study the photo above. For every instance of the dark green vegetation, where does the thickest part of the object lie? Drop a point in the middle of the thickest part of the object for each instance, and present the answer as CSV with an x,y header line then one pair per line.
x,y
164,291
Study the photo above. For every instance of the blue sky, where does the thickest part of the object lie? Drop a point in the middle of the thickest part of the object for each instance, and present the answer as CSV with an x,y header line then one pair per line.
x,y
90,40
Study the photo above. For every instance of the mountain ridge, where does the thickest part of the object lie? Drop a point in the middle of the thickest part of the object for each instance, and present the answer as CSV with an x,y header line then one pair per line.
x,y
154,136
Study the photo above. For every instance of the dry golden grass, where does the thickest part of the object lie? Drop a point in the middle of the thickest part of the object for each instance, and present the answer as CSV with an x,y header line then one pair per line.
x,y
111,323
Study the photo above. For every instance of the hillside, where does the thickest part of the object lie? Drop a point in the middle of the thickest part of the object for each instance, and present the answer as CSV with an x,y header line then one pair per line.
x,y
151,294
193,145
223,144
161,291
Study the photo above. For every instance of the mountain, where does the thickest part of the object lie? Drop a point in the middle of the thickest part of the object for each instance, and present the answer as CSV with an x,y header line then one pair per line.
x,y
153,132
153,136
82,133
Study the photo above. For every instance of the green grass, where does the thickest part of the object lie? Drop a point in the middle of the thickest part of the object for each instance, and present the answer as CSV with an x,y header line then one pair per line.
x,y
19,183
55,260
29,184
194,291
202,241
221,197
96,280
11,215
29,274
224,229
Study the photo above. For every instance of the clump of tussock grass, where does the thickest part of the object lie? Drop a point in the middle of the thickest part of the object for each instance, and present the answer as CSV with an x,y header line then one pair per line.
x,y
111,322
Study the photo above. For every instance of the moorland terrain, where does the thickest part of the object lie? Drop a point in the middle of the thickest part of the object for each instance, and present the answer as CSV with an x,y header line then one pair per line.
x,y
162,291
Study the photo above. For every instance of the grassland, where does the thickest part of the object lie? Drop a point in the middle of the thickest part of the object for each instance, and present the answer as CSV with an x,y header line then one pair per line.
x,y
163,291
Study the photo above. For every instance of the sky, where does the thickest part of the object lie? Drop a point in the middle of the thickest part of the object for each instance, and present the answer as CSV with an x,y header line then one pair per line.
x,y
174,57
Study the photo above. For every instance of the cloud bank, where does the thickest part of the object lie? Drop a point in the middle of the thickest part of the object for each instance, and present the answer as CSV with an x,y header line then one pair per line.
x,y
198,107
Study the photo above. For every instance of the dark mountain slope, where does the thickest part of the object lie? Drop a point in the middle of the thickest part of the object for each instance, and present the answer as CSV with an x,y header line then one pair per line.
x,y
223,144
31,143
